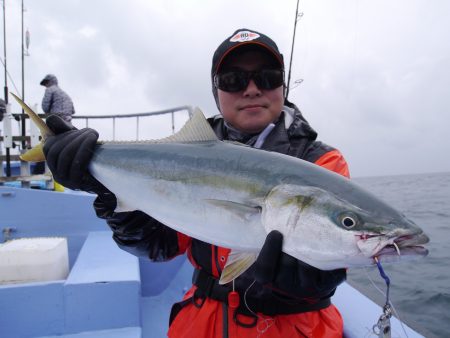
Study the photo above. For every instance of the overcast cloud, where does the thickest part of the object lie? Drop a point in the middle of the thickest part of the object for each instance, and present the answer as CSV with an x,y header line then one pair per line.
x,y
376,73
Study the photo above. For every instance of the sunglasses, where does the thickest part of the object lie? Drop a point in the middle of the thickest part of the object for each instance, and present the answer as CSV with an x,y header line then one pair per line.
x,y
235,81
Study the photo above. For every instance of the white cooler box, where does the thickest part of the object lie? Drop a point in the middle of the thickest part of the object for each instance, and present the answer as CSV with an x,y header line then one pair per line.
x,y
37,259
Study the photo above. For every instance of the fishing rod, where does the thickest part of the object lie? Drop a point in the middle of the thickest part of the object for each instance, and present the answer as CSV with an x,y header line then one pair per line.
x,y
4,51
22,118
23,84
292,50
8,155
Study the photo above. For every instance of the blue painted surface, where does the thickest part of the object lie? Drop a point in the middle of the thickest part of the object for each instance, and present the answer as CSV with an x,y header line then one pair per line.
x,y
127,332
15,167
101,292
28,310
103,289
155,277
100,260
34,213
156,309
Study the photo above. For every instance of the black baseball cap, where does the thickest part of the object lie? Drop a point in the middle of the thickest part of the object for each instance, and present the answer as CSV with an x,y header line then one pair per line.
x,y
240,38
244,37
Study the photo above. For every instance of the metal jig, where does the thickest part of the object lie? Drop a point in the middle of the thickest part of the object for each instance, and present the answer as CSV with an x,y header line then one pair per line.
x,y
383,327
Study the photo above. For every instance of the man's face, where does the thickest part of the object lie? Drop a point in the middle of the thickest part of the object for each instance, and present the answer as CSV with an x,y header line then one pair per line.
x,y
251,109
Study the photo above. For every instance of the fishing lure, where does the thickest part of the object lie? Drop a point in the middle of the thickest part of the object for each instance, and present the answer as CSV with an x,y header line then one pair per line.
x,y
383,327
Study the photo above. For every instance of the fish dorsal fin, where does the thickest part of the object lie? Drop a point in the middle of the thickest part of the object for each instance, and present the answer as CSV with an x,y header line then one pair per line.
x,y
197,129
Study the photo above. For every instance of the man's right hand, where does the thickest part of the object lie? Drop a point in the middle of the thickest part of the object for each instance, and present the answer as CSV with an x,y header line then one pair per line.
x,y
68,154
292,277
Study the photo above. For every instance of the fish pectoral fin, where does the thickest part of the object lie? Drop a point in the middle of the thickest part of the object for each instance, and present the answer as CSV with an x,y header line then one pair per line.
x,y
237,263
242,210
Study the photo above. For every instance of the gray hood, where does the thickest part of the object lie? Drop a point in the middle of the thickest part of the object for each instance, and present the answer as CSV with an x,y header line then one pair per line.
x,y
50,80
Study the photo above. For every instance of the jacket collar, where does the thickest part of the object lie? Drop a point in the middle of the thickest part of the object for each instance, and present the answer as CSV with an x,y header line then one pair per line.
x,y
291,124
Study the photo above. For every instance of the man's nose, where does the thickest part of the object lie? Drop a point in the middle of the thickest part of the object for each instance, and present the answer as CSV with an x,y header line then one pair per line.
x,y
252,89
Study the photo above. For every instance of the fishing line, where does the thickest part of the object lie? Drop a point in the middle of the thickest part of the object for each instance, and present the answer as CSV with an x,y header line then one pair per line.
x,y
10,77
385,295
268,322
385,277
388,282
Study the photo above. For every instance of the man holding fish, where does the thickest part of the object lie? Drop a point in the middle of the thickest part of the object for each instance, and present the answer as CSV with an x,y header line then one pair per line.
x,y
278,296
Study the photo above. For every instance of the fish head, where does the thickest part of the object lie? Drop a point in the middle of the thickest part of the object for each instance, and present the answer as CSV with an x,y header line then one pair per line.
x,y
385,235
329,232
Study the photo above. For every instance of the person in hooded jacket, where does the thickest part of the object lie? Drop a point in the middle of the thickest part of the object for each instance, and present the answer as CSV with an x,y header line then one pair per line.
x,y
56,101
279,296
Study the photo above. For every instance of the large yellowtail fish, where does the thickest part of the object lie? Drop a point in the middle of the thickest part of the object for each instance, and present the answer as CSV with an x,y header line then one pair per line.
x,y
232,196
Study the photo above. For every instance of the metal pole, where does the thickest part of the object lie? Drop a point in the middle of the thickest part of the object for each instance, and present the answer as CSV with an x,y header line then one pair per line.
x,y
114,128
4,50
173,123
23,85
8,156
137,128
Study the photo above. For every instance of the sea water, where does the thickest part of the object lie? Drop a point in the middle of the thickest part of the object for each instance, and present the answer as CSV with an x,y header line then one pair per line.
x,y
420,289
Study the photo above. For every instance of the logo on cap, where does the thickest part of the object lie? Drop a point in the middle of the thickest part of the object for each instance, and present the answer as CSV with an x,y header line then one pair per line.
x,y
244,36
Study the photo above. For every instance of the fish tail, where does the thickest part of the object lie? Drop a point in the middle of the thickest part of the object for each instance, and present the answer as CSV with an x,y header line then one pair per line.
x,y
35,154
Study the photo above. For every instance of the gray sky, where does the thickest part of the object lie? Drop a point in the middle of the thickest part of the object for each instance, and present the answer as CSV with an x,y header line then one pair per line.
x,y
376,73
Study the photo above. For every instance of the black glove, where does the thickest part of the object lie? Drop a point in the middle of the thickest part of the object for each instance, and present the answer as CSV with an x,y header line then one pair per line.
x,y
68,154
291,277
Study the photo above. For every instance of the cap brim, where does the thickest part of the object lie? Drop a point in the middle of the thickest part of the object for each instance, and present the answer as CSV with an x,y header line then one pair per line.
x,y
277,57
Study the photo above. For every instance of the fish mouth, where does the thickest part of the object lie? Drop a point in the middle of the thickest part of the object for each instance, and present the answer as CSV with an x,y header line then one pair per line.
x,y
392,251
405,245
412,240
393,244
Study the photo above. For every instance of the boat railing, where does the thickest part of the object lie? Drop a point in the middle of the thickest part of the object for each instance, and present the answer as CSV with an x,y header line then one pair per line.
x,y
79,121
137,116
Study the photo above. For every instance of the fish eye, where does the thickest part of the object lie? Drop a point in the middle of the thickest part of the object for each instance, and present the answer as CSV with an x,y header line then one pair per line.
x,y
348,222
348,219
